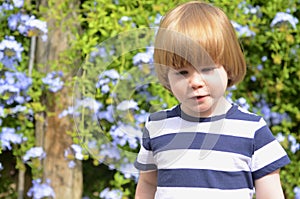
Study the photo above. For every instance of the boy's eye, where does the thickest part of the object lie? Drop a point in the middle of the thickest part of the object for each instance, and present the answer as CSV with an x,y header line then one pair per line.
x,y
183,72
206,70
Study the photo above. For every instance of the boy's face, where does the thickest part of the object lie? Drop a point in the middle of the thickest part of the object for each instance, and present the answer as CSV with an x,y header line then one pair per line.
x,y
198,89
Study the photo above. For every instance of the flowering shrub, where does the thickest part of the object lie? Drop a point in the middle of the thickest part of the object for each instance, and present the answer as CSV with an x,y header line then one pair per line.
x,y
118,89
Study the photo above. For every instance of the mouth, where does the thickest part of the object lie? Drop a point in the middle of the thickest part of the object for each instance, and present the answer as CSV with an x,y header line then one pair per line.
x,y
199,97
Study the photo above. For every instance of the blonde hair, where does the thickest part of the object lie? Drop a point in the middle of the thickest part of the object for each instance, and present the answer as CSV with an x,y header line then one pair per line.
x,y
192,31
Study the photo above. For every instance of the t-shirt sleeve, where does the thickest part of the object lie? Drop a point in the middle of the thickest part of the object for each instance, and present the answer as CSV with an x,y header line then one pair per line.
x,y
268,154
145,160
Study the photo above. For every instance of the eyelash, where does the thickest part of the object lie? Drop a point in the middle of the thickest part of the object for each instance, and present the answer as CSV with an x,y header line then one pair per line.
x,y
203,70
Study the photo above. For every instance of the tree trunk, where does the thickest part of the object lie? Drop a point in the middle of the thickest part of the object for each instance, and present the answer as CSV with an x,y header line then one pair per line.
x,y
51,131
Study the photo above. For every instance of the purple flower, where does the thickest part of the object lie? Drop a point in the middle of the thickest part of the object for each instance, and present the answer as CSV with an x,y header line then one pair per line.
x,y
15,85
297,192
73,152
284,17
37,27
71,164
280,137
127,104
243,31
28,25
53,80
111,194
18,3
109,151
6,6
129,171
243,103
264,58
123,134
78,151
107,114
40,190
8,136
10,52
68,111
143,57
34,152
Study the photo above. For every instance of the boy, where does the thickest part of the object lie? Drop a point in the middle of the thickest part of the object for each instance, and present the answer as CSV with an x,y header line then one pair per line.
x,y
205,147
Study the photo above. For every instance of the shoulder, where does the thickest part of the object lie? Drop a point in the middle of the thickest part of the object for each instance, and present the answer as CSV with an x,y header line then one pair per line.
x,y
164,114
239,113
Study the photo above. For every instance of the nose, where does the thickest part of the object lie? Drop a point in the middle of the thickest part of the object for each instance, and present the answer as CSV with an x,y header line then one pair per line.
x,y
196,80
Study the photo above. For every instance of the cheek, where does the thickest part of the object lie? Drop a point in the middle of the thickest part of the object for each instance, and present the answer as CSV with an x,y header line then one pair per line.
x,y
218,82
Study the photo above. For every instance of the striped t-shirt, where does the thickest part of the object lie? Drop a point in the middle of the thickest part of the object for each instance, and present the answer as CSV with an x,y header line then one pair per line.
x,y
216,157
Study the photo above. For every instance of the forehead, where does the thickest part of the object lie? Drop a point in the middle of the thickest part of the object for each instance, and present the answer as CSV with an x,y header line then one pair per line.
x,y
177,50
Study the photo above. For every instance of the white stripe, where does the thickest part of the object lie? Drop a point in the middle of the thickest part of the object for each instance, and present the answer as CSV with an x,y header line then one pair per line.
x,y
202,159
267,154
196,193
145,156
224,127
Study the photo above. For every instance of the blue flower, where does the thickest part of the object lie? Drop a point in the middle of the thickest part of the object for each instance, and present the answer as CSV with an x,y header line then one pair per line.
x,y
253,78
108,76
17,84
89,103
73,152
243,31
40,190
68,111
37,27
18,109
28,25
293,142
284,17
124,134
107,114
8,136
34,152
10,52
141,117
71,164
6,6
2,113
112,74
78,151
109,151
127,104
124,19
1,167
18,3
297,192
243,103
264,58
143,57
260,67
129,171
280,137
53,80
111,194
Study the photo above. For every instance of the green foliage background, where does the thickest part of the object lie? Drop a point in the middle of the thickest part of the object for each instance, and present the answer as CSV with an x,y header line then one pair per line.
x,y
278,81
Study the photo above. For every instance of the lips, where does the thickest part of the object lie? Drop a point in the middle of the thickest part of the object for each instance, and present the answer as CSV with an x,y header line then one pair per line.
x,y
199,97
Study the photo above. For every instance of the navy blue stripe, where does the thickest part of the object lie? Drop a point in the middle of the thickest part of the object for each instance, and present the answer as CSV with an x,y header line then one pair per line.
x,y
146,139
233,113
144,167
204,179
271,167
161,115
239,115
189,140
262,137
